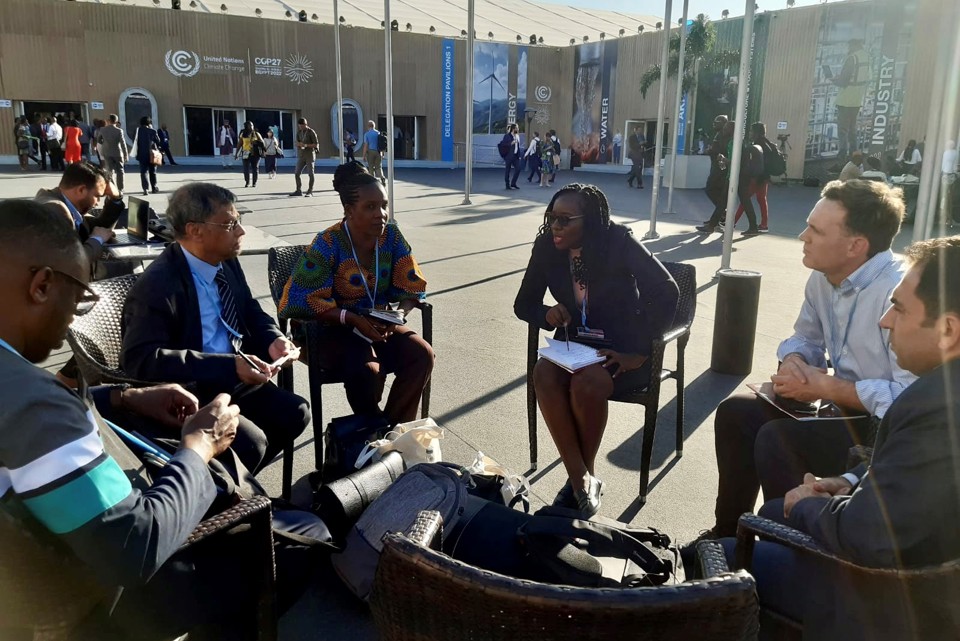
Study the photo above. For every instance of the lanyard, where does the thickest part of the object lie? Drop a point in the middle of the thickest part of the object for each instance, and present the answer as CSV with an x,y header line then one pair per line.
x,y
836,353
376,267
583,309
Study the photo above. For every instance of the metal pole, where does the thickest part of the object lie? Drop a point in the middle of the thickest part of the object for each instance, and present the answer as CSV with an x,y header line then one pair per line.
x,y
739,128
948,125
336,41
468,165
388,50
928,170
661,115
676,110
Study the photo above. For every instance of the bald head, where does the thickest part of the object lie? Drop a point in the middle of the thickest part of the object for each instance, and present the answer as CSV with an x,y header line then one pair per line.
x,y
42,274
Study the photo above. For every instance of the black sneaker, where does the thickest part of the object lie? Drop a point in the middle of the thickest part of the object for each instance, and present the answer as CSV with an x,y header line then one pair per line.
x,y
296,193
753,231
706,228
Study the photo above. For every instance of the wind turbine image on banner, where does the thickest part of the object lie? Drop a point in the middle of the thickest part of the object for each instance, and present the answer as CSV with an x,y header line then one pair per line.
x,y
493,77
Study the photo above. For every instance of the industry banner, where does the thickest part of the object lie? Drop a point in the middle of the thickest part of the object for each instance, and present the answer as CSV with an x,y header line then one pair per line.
x,y
858,86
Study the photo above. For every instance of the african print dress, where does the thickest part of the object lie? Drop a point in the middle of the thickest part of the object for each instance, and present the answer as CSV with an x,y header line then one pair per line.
x,y
327,275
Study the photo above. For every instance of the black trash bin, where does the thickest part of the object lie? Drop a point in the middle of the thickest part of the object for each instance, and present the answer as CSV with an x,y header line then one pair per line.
x,y
735,325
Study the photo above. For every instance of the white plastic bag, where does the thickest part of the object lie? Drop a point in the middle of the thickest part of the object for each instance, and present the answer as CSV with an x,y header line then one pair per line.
x,y
515,487
416,441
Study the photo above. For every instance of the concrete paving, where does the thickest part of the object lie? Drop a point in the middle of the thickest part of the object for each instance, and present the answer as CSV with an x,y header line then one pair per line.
x,y
473,258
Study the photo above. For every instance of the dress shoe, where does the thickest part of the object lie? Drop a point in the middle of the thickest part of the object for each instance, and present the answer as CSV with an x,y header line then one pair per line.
x,y
706,228
296,193
565,497
588,499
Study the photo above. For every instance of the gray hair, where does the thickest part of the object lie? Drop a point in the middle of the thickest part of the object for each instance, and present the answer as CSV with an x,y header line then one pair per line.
x,y
196,203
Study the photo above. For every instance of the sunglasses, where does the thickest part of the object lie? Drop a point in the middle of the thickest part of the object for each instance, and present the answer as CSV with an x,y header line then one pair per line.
x,y
87,301
562,221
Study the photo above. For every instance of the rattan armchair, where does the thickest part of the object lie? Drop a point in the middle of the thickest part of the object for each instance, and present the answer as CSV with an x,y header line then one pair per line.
x,y
281,262
420,594
649,396
46,591
96,340
917,603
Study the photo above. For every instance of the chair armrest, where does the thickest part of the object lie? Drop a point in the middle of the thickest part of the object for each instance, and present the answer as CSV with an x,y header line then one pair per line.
x,y
427,529
751,526
255,511
713,562
674,334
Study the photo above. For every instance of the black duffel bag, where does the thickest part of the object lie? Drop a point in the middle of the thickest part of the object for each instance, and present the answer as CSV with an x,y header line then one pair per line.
x,y
345,439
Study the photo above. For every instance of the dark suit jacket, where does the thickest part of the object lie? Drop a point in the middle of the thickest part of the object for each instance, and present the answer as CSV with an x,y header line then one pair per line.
x,y
147,139
631,295
162,335
904,513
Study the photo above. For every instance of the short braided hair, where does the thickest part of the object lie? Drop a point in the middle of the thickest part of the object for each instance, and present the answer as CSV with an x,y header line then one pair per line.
x,y
349,178
596,221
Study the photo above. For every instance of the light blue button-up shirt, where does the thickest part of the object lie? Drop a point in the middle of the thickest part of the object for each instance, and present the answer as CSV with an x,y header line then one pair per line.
x,y
216,339
844,323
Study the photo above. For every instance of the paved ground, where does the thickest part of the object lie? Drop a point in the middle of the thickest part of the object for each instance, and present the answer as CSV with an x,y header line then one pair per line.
x,y
473,257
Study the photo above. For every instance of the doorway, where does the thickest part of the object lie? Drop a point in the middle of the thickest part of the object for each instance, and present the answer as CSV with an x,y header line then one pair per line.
x,y
649,130
31,108
406,135
280,121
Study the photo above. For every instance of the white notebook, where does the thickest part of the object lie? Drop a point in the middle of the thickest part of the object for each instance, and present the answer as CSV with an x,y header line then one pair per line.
x,y
573,359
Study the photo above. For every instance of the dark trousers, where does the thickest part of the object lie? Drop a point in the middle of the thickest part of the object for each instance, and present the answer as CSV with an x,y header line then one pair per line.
x,y
207,589
847,130
56,157
42,152
363,367
716,189
146,167
636,173
270,163
512,170
757,445
534,163
745,193
348,153
169,154
251,168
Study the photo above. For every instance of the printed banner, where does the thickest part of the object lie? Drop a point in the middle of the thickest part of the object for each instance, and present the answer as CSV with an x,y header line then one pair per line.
x,y
448,68
593,88
858,87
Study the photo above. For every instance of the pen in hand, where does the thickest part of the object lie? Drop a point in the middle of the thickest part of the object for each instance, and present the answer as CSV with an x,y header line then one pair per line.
x,y
566,336
250,362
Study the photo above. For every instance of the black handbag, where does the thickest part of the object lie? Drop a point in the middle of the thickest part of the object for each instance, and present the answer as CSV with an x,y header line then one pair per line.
x,y
345,439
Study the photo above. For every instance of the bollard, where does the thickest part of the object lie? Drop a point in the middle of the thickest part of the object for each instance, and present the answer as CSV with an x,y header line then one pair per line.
x,y
735,325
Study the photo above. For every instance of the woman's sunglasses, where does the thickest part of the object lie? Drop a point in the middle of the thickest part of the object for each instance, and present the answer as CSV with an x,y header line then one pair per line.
x,y
562,221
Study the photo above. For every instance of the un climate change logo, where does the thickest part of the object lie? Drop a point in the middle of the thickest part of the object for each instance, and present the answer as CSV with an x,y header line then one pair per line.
x,y
182,63
543,93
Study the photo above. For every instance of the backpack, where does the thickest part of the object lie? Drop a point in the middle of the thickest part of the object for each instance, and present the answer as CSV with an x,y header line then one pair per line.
x,y
753,162
427,486
600,553
773,161
381,141
504,148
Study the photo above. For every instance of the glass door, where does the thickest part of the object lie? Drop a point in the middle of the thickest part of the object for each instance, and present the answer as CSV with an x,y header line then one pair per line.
x,y
220,117
198,128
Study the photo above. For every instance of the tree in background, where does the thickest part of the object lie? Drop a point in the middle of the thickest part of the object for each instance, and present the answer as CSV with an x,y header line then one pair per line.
x,y
701,55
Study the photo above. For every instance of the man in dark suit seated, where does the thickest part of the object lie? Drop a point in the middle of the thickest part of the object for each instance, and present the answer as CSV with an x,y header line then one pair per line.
x,y
191,319
903,509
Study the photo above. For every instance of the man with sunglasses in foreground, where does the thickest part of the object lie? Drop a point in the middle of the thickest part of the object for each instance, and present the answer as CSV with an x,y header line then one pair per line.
x,y
62,471
191,319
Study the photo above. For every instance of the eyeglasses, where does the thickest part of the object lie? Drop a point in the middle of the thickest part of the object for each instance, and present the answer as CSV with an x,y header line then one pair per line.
x,y
228,226
87,301
562,221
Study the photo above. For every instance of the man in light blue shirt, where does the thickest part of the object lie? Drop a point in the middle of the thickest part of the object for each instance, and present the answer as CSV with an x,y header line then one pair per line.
x,y
371,151
847,244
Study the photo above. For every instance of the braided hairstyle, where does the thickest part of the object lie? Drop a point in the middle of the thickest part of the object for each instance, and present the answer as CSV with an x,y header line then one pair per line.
x,y
349,178
596,223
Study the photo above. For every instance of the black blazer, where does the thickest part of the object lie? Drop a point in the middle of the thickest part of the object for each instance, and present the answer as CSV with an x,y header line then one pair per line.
x,y
162,334
904,513
631,296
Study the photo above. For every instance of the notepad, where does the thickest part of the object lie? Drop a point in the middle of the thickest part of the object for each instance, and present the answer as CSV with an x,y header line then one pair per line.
x,y
576,358
394,316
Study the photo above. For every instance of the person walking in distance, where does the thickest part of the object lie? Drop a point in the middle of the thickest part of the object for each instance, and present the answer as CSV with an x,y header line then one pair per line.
x,y
113,150
533,157
165,144
636,161
306,144
249,151
53,132
719,178
372,153
227,142
511,142
272,151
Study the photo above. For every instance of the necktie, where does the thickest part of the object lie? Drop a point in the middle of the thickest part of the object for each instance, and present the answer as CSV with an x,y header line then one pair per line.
x,y
228,313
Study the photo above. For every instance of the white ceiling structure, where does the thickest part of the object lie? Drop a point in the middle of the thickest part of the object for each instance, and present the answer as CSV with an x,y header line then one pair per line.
x,y
555,24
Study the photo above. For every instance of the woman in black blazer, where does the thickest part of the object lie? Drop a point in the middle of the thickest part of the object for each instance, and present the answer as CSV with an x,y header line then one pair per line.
x,y
147,140
602,279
